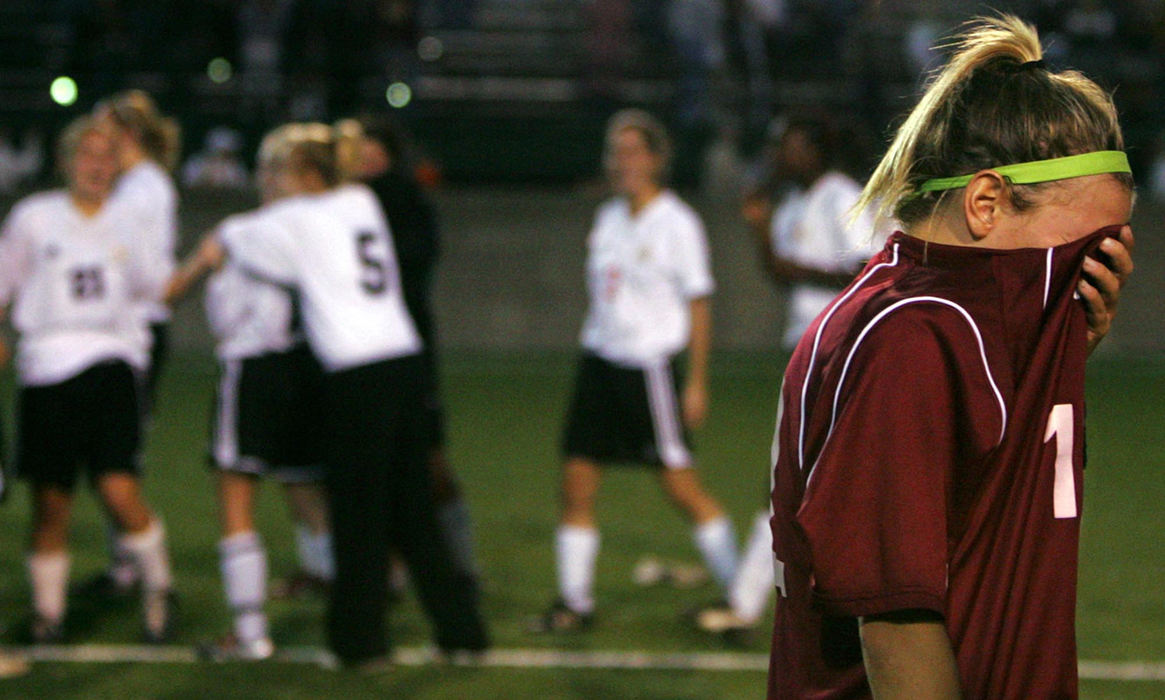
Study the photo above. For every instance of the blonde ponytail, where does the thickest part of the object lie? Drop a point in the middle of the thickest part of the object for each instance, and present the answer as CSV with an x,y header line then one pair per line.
x,y
993,103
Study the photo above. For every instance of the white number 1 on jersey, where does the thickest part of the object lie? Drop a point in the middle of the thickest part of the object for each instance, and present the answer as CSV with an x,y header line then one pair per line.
x,y
1061,426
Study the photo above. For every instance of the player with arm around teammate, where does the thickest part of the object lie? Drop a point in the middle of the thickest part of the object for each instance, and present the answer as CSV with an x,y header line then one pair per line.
x,y
929,447
332,244
73,279
650,284
266,408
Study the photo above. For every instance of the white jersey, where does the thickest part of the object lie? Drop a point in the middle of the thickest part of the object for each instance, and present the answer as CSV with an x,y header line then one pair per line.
x,y
643,271
335,249
74,282
148,193
249,316
811,228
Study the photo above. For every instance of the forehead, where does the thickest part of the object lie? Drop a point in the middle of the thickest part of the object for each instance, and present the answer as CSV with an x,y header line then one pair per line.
x,y
628,137
94,141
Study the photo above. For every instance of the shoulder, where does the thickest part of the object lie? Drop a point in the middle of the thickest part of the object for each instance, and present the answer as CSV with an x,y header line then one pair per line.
x,y
39,204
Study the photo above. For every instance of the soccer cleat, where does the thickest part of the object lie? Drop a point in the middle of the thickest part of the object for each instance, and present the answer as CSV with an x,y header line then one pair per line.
x,y
300,585
231,648
559,619
46,631
718,619
158,613
653,571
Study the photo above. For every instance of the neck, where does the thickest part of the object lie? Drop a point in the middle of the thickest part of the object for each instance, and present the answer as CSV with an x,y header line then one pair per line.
x,y
88,206
130,156
639,200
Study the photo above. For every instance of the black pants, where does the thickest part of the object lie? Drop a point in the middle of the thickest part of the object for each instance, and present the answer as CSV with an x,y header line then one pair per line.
x,y
381,496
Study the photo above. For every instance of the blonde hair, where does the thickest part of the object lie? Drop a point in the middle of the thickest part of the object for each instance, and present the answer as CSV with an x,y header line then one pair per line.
x,y
653,131
992,104
349,134
160,136
275,148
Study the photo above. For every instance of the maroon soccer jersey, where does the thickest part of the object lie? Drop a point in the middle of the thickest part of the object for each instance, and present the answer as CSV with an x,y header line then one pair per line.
x,y
929,455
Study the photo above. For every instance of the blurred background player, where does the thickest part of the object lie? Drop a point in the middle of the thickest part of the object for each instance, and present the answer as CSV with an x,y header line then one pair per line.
x,y
148,147
649,283
267,413
376,153
76,278
332,244
811,246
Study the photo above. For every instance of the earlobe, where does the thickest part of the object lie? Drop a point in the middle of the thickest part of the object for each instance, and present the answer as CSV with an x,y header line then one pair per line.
x,y
982,202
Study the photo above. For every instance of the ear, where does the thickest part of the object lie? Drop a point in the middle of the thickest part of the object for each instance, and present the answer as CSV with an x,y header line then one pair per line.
x,y
983,202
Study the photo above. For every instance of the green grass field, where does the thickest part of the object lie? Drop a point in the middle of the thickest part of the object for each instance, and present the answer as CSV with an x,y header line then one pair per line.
x,y
505,417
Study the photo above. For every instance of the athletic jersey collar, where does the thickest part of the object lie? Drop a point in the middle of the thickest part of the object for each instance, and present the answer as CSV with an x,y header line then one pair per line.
x,y
939,255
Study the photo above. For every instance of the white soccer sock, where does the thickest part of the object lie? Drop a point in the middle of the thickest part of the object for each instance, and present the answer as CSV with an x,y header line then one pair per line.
x,y
717,544
754,577
49,574
148,550
576,549
121,564
315,552
457,528
243,562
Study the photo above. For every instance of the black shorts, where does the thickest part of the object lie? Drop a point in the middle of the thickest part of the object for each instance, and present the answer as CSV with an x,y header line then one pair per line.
x,y
433,411
268,417
621,414
90,422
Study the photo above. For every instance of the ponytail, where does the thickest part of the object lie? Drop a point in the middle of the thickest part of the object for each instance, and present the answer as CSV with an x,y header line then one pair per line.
x,y
992,104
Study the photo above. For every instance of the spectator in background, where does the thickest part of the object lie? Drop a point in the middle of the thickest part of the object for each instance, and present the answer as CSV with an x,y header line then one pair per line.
x,y
19,165
218,163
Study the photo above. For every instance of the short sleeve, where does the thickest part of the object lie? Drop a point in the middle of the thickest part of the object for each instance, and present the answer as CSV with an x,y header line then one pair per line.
x,y
877,504
261,246
693,266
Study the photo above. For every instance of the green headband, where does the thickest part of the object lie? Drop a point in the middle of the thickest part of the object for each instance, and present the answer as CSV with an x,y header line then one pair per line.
x,y
1080,165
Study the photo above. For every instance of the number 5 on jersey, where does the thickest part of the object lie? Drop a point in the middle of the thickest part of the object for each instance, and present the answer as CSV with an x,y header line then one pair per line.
x,y
376,276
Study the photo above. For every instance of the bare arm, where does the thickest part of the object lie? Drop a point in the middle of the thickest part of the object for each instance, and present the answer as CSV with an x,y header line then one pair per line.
x,y
695,399
908,655
1104,276
757,212
207,258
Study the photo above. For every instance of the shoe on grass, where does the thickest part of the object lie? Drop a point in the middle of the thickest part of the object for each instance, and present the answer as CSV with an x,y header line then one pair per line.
x,y
559,619
231,648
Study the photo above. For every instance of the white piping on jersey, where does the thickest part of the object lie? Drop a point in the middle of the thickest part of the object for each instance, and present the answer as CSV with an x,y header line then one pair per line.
x,y
1047,278
886,312
817,341
661,400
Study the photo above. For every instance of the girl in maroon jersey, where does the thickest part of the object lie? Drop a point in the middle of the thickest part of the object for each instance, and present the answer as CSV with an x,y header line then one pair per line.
x,y
929,450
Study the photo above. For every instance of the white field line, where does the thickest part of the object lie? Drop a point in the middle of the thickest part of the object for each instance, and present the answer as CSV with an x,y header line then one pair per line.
x,y
516,658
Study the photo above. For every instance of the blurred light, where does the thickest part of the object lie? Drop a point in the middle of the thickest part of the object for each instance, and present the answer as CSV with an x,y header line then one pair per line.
x,y
398,95
219,70
64,91
430,48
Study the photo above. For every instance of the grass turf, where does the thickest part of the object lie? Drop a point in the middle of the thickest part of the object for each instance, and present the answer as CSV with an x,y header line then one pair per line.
x,y
505,419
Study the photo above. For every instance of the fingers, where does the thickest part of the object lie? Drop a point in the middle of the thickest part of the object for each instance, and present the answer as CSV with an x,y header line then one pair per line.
x,y
1102,280
1095,308
1119,253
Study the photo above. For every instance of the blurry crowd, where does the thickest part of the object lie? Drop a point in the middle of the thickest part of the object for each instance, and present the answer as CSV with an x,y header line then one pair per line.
x,y
729,65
